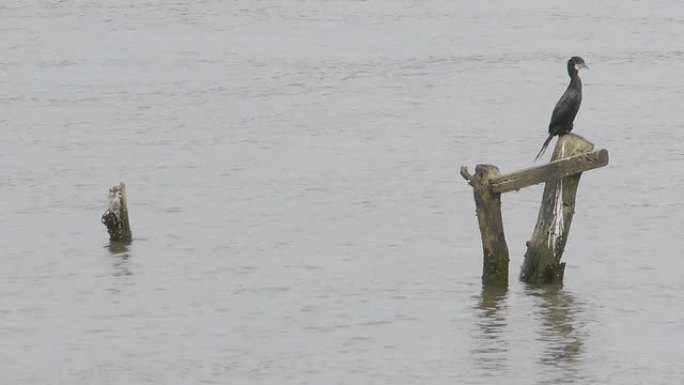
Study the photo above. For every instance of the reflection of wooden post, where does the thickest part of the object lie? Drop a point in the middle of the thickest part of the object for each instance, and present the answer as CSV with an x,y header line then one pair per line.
x,y
488,204
542,260
571,157
558,311
116,217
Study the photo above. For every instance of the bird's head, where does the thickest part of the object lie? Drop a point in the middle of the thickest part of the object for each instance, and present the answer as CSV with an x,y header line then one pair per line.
x,y
576,63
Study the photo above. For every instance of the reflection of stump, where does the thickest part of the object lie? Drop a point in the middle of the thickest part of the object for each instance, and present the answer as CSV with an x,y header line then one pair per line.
x,y
545,249
560,332
116,217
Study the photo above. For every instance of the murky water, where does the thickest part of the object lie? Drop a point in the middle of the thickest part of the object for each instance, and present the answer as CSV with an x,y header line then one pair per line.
x,y
292,169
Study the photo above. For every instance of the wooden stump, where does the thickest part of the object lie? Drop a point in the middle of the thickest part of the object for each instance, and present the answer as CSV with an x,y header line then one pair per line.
x,y
571,157
544,251
488,206
116,216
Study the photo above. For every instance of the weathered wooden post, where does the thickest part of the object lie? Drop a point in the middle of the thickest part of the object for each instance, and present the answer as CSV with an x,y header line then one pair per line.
x,y
116,216
488,207
544,251
571,157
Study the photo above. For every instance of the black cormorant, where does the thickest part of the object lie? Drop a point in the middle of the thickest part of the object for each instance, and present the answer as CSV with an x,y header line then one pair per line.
x,y
566,109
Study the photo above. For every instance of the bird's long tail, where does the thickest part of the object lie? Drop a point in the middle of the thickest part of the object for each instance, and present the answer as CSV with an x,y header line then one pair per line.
x,y
546,144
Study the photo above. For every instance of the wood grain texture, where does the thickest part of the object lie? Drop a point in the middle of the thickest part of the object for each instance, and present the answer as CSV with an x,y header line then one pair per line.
x,y
488,208
554,170
542,262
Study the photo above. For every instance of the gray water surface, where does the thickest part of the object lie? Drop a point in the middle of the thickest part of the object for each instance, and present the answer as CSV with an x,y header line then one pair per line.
x,y
292,171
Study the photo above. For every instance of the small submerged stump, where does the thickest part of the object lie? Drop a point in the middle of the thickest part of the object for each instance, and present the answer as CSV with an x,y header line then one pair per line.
x,y
544,251
116,216
488,207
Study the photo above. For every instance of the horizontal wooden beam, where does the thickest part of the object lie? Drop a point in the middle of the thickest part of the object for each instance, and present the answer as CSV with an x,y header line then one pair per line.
x,y
550,171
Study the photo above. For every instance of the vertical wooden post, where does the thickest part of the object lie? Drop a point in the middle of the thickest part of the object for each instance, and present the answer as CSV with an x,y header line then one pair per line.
x,y
545,249
488,205
116,216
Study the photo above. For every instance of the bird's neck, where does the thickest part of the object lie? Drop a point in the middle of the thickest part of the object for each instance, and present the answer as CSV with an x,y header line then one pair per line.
x,y
575,81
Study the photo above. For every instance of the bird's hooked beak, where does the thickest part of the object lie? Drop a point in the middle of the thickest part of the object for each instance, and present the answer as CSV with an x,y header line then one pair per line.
x,y
580,65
